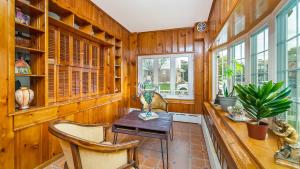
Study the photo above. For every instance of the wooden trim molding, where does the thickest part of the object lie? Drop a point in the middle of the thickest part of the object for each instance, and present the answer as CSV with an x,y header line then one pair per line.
x,y
234,147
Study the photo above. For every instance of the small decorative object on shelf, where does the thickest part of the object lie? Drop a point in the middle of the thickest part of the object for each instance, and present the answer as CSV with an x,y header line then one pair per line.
x,y
24,97
288,155
21,17
236,113
228,99
285,132
263,101
22,67
24,40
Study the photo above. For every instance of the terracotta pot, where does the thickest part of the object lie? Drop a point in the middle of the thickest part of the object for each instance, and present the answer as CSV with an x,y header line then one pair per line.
x,y
258,132
24,97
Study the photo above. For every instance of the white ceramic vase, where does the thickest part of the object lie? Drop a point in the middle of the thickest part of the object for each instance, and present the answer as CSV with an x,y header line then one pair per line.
x,y
24,97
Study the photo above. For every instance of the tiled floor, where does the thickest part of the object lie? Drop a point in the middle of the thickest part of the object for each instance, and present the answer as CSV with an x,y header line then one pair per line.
x,y
186,151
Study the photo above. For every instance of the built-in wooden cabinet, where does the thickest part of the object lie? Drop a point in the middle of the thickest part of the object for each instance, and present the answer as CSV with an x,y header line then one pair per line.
x,y
82,59
30,45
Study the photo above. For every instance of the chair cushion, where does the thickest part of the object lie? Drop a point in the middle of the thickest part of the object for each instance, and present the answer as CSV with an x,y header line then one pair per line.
x,y
95,160
93,134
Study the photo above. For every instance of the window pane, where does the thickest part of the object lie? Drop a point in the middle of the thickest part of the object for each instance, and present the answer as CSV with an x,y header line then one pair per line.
x,y
291,23
266,39
260,42
237,52
164,75
292,54
148,70
292,82
182,76
261,63
291,115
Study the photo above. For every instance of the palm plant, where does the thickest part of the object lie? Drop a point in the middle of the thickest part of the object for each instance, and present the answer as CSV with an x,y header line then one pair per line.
x,y
264,101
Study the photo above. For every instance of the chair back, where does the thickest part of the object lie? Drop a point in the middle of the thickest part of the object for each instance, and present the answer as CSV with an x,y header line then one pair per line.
x,y
158,102
83,146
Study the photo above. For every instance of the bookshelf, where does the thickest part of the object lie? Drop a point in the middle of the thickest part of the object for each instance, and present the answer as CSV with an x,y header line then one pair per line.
x,y
30,33
70,57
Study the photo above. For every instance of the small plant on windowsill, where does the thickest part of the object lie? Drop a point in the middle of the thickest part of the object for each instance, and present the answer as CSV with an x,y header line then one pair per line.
x,y
228,99
261,102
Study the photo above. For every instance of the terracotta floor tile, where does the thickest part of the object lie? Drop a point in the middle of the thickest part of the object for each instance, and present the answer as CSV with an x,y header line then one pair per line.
x,y
186,151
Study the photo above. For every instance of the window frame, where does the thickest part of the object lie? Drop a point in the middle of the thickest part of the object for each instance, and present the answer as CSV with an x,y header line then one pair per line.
x,y
172,57
282,55
233,54
254,54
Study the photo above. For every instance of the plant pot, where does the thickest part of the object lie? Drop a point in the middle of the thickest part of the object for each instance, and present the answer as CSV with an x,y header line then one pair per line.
x,y
258,132
225,102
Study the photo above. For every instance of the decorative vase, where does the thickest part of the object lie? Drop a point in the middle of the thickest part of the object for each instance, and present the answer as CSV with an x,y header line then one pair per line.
x,y
225,102
24,97
257,131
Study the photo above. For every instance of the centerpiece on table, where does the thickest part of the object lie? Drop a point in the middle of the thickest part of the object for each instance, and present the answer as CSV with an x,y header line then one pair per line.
x,y
263,101
148,115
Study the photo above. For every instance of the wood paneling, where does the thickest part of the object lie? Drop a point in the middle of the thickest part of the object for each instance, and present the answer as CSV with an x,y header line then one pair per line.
x,y
164,42
25,141
238,16
6,128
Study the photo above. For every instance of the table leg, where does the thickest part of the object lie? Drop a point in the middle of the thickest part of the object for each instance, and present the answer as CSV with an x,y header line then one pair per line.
x,y
167,143
115,138
162,153
171,133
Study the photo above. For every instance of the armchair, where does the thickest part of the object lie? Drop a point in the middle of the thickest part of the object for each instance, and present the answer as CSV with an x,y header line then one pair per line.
x,y
84,147
159,104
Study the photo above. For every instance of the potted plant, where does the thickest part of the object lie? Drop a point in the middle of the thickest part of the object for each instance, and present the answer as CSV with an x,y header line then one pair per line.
x,y
228,99
261,102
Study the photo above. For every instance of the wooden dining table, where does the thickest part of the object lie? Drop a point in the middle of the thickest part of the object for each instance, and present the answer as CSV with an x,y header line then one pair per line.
x,y
160,128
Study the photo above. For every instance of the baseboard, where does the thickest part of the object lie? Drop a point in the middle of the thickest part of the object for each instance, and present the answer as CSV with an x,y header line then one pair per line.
x,y
213,158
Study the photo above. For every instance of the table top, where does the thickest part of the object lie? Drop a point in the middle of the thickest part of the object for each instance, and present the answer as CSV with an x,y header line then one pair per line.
x,y
161,124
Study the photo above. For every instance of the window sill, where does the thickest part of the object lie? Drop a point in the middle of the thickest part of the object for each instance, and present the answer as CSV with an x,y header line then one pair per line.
x,y
244,150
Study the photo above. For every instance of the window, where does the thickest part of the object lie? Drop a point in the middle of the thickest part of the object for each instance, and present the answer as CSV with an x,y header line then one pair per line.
x,y
238,62
288,56
222,62
170,75
260,56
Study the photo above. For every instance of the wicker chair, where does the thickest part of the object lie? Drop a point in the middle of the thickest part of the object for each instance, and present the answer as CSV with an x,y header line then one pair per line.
x,y
159,104
84,147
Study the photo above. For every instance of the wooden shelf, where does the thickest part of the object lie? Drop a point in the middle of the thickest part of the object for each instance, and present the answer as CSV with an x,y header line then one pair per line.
x,y
117,77
117,65
30,50
61,24
28,9
29,75
27,28
31,108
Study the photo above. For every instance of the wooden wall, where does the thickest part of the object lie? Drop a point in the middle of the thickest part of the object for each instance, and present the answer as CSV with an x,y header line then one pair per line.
x,y
183,40
6,122
24,140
